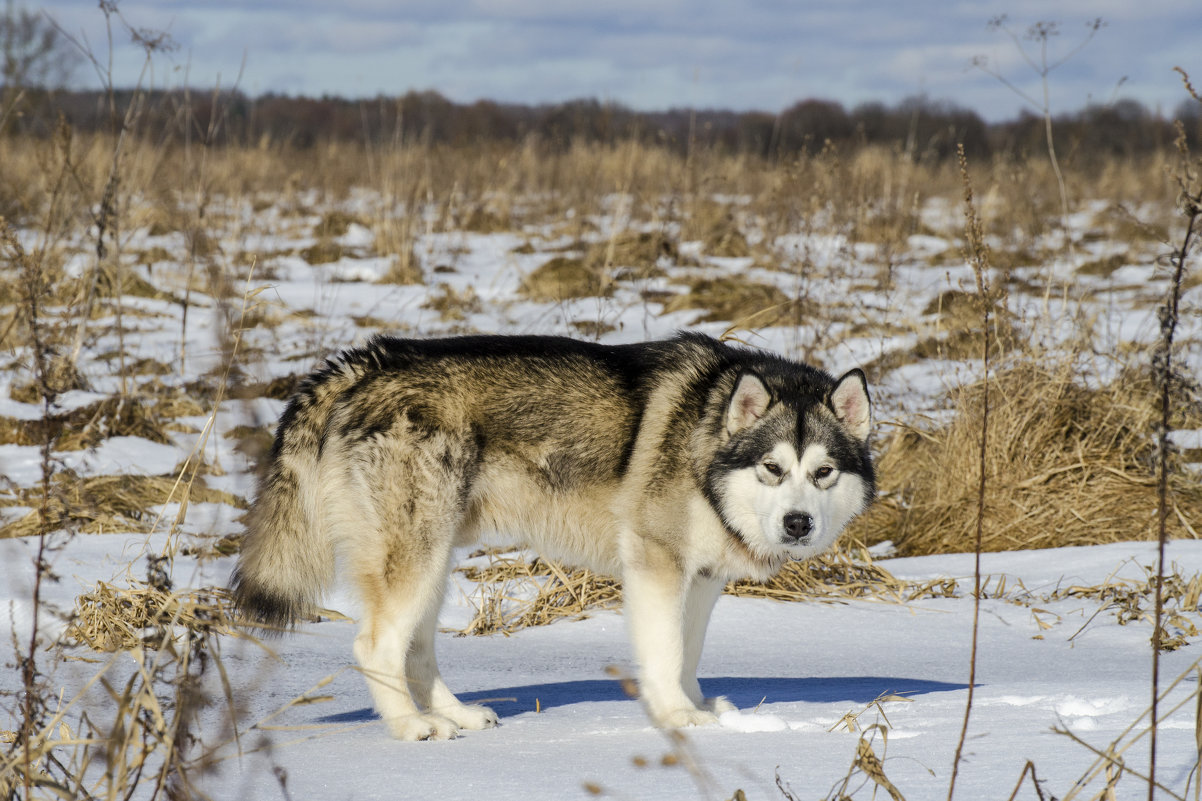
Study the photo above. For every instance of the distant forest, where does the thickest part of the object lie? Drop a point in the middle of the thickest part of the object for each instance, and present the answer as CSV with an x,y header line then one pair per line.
x,y
925,129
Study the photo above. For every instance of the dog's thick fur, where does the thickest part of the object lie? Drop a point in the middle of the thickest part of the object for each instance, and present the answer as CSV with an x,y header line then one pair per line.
x,y
675,465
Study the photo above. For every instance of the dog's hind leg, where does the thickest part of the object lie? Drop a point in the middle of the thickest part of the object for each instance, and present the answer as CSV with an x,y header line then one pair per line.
x,y
384,642
431,691
699,601
400,557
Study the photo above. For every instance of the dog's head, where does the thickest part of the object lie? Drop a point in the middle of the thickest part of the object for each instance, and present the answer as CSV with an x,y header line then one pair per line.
x,y
793,467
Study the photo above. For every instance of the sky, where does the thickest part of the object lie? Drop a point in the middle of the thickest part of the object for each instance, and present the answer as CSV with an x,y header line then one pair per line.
x,y
755,55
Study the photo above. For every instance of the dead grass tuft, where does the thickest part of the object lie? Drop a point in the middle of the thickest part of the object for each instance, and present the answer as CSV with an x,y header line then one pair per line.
x,y
108,504
957,319
565,278
61,376
627,255
111,618
1105,266
592,329
715,226
404,268
278,388
484,218
254,441
323,251
336,223
637,251
88,426
1129,599
833,577
453,305
1068,465
516,594
726,299
112,283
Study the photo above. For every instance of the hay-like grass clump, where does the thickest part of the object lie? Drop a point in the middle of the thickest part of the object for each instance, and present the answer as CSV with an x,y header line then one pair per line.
x,y
112,618
1067,464
516,593
566,278
727,299
107,504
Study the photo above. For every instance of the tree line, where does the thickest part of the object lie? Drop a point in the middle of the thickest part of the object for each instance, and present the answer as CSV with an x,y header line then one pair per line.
x,y
923,128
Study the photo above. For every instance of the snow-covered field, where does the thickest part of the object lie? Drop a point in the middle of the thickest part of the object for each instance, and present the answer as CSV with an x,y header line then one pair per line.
x,y
1057,675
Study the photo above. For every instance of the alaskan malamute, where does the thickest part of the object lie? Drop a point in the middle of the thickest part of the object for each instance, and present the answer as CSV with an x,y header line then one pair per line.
x,y
676,466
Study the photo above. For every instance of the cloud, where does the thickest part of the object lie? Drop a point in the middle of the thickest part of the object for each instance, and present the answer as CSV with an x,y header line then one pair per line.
x,y
333,36
763,54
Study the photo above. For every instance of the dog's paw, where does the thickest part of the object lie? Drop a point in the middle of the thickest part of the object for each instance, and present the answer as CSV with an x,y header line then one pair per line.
x,y
679,718
422,727
719,705
469,717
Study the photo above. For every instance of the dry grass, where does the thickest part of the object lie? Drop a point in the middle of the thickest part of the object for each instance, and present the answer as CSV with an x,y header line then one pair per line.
x,y
1110,765
516,593
1129,600
717,227
142,615
403,269
142,736
637,253
323,251
451,304
835,577
108,504
867,764
87,426
1067,465
627,255
564,278
727,299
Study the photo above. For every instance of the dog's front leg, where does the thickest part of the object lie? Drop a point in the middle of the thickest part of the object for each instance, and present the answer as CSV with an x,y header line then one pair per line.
x,y
702,594
654,589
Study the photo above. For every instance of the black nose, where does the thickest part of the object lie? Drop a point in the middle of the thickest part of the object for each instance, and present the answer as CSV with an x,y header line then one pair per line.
x,y
797,526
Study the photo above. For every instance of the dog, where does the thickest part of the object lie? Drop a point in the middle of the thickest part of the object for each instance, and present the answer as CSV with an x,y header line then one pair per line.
x,y
675,465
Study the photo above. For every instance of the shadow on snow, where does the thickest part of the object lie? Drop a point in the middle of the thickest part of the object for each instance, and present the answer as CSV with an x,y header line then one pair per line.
x,y
744,692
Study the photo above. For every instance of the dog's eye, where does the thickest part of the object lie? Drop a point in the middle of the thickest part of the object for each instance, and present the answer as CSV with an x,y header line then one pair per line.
x,y
823,472
774,469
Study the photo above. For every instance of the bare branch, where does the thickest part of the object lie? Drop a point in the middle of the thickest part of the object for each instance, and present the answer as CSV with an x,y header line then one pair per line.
x,y
1093,26
982,63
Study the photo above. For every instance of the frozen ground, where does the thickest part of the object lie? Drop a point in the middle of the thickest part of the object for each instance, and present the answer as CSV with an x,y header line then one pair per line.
x,y
795,670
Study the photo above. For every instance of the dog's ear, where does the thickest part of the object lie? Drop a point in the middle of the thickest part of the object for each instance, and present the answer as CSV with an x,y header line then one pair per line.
x,y
849,401
748,402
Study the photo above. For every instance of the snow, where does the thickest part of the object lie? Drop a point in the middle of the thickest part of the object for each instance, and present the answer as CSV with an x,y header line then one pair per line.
x,y
809,679
795,670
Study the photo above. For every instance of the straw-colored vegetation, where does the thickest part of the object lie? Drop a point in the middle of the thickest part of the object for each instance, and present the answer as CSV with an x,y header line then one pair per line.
x,y
120,618
1067,465
1071,457
515,593
107,504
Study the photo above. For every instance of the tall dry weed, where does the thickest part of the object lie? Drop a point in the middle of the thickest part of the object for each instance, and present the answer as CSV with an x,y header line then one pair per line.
x,y
1189,200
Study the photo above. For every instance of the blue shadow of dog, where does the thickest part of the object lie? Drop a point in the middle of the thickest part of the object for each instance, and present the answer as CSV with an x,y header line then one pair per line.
x,y
743,692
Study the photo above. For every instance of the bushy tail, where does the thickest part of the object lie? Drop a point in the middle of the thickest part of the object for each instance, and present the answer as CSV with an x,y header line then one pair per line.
x,y
287,557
